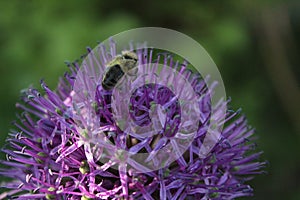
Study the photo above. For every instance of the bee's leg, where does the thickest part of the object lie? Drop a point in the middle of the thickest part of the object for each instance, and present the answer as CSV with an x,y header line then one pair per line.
x,y
133,72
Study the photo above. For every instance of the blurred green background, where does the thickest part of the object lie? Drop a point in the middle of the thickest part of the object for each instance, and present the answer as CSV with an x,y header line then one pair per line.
x,y
255,44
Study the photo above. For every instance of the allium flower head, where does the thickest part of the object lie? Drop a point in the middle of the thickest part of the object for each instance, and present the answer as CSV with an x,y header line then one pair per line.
x,y
92,145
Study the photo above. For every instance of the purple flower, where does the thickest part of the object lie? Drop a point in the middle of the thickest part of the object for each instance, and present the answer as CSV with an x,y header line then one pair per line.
x,y
50,155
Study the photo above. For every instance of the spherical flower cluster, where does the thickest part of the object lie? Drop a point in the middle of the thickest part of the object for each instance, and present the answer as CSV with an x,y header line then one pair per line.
x,y
50,157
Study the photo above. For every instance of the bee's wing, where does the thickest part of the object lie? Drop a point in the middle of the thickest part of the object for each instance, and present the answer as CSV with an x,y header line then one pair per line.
x,y
116,72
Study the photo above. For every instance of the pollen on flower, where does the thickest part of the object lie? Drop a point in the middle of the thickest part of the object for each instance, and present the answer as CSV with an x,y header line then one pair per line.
x,y
84,167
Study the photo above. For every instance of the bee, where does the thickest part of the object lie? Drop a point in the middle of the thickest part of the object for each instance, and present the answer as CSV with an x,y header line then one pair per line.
x,y
126,63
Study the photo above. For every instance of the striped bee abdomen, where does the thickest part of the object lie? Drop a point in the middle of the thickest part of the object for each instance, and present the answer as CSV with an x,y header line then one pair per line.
x,y
111,77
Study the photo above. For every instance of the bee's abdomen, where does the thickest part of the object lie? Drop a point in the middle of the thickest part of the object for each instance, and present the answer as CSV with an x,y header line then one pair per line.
x,y
111,77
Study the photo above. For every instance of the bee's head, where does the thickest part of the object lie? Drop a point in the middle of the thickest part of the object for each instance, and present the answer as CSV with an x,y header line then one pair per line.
x,y
129,55
129,59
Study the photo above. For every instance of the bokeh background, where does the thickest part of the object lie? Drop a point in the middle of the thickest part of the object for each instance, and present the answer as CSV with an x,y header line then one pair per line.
x,y
255,44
